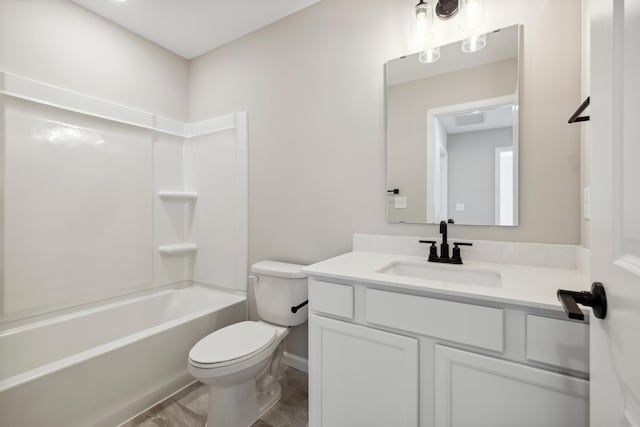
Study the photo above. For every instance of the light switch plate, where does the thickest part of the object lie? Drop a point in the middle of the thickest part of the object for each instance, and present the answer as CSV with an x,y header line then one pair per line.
x,y
401,203
459,206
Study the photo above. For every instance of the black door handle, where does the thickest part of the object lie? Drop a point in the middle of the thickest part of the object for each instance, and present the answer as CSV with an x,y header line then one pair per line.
x,y
596,299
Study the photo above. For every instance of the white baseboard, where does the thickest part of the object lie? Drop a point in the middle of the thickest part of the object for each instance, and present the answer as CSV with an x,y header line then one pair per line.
x,y
297,362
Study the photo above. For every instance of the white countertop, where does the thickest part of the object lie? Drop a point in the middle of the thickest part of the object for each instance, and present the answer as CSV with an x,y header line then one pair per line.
x,y
520,285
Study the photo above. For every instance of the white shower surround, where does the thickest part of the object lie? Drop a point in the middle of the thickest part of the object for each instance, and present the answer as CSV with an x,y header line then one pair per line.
x,y
92,351
203,163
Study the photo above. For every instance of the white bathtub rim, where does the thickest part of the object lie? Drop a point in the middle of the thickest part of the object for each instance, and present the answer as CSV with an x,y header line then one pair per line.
x,y
30,321
80,311
77,358
26,318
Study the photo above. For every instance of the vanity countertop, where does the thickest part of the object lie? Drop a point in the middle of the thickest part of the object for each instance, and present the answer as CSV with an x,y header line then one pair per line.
x,y
520,285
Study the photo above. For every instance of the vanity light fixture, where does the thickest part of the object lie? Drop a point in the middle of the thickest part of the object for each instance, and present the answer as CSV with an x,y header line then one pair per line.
x,y
472,12
429,55
446,9
474,43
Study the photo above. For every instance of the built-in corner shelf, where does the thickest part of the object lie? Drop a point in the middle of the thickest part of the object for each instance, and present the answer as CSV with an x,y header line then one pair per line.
x,y
186,196
182,249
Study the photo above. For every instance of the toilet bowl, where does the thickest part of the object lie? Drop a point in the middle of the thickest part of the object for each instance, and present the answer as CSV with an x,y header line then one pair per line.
x,y
240,362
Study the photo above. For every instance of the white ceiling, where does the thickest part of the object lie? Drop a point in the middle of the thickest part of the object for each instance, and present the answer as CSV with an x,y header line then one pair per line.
x,y
501,45
190,28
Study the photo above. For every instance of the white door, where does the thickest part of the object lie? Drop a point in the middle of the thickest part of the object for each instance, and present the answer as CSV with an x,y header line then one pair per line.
x,y
615,223
361,377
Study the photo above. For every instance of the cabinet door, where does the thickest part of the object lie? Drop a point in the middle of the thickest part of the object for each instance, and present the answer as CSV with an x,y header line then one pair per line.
x,y
475,390
361,377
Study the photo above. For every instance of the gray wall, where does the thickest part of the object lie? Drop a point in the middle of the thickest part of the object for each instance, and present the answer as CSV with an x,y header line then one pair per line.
x,y
313,86
407,125
60,43
471,173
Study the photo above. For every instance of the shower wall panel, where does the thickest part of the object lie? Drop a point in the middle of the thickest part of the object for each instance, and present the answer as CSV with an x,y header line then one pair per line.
x,y
100,200
77,208
211,168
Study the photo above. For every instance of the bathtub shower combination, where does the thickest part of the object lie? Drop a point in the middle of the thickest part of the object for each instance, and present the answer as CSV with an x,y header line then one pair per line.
x,y
123,241
99,366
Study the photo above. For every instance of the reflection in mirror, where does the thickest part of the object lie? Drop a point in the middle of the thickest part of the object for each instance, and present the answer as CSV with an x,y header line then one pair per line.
x,y
452,134
474,141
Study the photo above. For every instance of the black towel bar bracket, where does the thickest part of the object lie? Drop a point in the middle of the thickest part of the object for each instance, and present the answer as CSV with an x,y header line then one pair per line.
x,y
576,116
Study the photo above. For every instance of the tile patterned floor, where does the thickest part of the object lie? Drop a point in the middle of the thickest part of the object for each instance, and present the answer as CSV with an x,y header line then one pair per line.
x,y
189,407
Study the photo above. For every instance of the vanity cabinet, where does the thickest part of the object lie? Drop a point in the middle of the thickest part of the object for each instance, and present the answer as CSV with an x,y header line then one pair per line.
x,y
383,357
362,376
475,390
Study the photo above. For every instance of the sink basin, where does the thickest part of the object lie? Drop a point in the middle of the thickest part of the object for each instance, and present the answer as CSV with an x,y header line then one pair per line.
x,y
458,274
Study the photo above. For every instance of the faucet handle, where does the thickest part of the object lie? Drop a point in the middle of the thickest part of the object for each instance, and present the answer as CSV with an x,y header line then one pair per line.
x,y
457,258
433,250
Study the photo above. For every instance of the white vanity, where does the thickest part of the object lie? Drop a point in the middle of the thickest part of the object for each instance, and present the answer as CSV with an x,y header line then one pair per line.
x,y
395,341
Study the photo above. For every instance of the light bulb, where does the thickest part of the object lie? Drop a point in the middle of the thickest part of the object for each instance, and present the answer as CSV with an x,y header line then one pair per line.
x,y
422,9
474,43
473,15
429,55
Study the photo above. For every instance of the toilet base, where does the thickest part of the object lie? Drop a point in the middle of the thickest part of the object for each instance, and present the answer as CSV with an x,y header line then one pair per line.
x,y
241,416
248,405
234,406
268,398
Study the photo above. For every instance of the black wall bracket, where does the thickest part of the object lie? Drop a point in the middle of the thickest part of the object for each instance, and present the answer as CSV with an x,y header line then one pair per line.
x,y
575,117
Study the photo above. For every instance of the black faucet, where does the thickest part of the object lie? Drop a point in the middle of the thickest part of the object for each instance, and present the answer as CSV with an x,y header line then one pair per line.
x,y
444,248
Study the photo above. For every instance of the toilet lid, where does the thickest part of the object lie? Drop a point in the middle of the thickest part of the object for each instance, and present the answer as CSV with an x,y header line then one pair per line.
x,y
233,342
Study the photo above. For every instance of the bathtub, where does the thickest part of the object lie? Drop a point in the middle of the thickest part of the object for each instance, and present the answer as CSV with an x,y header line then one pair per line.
x,y
101,365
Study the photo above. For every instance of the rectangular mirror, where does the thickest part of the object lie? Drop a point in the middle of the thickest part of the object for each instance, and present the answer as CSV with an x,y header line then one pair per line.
x,y
452,132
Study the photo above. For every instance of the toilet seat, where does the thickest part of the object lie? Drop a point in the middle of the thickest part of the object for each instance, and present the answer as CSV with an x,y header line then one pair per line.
x,y
232,344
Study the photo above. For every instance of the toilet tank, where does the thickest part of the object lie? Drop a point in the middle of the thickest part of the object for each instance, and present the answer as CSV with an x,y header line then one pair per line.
x,y
280,286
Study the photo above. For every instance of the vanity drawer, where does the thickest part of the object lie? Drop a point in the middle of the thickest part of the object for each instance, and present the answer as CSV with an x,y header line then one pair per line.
x,y
558,342
331,298
464,323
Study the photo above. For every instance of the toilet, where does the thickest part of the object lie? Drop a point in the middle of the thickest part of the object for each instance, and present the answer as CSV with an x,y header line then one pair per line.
x,y
240,362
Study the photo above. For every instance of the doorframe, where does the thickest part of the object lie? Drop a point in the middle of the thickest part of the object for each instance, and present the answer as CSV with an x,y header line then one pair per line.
x,y
497,192
481,104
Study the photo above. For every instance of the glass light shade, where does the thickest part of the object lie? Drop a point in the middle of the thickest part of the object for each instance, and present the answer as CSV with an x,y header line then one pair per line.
x,y
474,43
472,15
429,55
424,26
421,11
